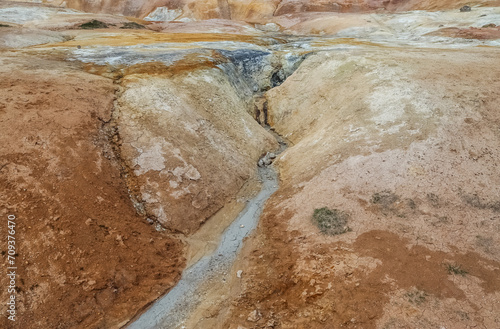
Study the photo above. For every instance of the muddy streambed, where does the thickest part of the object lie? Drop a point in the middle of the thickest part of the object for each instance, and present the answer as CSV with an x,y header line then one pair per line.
x,y
171,310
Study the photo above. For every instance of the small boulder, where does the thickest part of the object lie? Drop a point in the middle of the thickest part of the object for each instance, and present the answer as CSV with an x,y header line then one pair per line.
x,y
254,316
465,9
265,160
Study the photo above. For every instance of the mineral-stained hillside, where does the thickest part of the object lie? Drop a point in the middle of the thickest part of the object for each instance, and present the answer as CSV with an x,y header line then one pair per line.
x,y
421,193
251,10
132,133
86,259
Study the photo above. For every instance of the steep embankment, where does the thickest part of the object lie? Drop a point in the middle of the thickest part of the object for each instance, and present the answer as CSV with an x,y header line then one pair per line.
x,y
190,142
187,132
179,140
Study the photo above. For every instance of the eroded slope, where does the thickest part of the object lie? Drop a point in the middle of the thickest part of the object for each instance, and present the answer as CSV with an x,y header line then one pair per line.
x,y
406,145
85,258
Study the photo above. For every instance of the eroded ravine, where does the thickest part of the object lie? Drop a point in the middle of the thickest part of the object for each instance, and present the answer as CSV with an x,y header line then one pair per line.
x,y
258,72
172,309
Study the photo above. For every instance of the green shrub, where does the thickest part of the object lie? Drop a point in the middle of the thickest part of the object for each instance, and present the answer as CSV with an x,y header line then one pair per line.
x,y
4,25
331,222
94,24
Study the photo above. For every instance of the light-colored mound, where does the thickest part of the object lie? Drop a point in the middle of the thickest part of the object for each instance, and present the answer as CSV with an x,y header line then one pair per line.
x,y
188,139
13,37
222,26
45,17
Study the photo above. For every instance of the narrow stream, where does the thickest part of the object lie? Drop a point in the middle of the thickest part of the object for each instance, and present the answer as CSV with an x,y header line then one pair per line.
x,y
171,310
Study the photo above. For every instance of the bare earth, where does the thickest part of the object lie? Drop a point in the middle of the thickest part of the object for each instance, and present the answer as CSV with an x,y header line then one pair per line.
x,y
86,259
420,197
126,153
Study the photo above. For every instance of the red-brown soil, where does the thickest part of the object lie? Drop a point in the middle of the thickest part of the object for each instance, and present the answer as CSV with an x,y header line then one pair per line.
x,y
85,258
331,294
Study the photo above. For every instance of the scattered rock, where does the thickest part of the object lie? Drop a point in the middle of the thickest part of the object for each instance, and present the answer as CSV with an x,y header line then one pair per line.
x,y
254,316
266,160
489,25
271,323
465,9
238,274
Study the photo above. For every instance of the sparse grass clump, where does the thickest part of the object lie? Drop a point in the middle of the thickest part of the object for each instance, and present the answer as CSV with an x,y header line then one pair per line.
x,y
94,24
433,199
385,198
132,25
486,243
475,201
456,269
416,297
331,222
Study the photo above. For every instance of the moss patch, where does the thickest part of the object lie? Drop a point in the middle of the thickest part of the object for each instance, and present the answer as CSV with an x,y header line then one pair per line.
x,y
94,24
385,198
132,26
331,222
